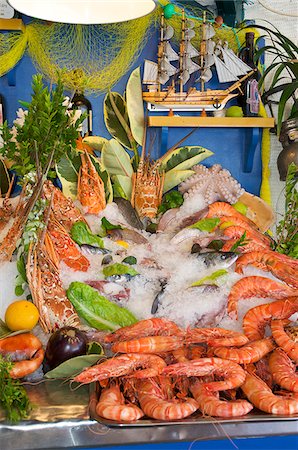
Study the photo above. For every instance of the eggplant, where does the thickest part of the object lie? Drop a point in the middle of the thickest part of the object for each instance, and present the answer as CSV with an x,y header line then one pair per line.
x,y
65,343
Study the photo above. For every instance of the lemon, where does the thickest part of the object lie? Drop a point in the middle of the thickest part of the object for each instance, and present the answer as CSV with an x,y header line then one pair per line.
x,y
240,207
234,111
21,315
123,244
225,225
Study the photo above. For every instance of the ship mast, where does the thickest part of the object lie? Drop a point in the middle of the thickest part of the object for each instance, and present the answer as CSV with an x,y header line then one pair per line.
x,y
203,49
160,52
182,49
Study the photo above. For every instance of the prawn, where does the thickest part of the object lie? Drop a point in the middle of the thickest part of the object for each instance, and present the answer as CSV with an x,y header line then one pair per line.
x,y
27,345
149,344
283,337
237,231
157,401
147,327
269,262
210,404
247,354
222,209
283,370
216,337
123,365
256,319
256,286
261,396
111,405
232,373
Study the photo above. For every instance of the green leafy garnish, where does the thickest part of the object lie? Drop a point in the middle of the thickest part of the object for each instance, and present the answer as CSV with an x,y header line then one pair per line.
x,y
98,311
287,228
5,331
107,226
73,366
131,260
172,199
210,279
94,348
239,243
206,224
240,207
13,396
119,269
81,234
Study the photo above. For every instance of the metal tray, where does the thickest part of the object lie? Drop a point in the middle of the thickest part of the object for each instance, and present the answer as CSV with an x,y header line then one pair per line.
x,y
195,419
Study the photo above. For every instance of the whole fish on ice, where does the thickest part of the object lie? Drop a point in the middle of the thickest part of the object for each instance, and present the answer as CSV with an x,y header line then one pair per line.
x,y
219,260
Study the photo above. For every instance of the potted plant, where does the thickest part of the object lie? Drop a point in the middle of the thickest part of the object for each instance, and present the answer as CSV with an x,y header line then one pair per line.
x,y
282,78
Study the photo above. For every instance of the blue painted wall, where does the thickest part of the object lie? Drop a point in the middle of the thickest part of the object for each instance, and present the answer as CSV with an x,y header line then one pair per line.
x,y
227,144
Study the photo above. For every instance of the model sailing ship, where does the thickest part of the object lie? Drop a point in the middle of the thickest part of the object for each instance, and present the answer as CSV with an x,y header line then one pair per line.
x,y
228,66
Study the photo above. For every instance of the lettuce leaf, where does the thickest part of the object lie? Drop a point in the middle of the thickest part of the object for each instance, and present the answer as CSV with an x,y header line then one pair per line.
x,y
119,269
98,311
206,224
210,279
81,234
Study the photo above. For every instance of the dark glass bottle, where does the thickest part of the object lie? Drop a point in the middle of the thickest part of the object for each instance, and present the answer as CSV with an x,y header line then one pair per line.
x,y
79,101
249,100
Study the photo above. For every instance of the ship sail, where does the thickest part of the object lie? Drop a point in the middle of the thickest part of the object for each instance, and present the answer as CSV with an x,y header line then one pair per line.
x,y
150,72
223,73
187,52
234,63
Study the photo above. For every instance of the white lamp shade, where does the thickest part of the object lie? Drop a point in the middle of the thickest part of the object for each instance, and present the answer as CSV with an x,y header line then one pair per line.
x,y
86,12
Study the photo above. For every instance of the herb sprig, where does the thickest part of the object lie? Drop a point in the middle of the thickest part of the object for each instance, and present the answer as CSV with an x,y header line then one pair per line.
x,y
13,396
47,126
287,228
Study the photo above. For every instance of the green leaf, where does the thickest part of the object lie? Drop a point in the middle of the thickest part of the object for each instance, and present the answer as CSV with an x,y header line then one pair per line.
x,y
184,158
172,199
206,224
135,107
287,93
210,279
6,332
116,119
116,160
95,142
68,170
131,260
123,185
174,177
239,243
81,234
106,225
119,269
99,312
73,366
94,348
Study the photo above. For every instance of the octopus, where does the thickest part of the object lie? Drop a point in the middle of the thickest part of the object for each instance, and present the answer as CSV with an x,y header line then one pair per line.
x,y
214,183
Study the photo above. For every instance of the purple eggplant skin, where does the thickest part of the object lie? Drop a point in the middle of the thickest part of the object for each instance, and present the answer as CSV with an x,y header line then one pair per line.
x,y
65,343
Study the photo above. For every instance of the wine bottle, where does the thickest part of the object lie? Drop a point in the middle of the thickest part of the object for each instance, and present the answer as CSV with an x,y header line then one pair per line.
x,y
249,100
79,101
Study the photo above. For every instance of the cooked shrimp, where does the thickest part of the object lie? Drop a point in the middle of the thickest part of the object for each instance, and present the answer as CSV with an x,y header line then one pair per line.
x,y
256,319
220,209
283,337
150,344
256,286
283,370
269,261
237,231
261,396
247,247
123,365
216,337
111,405
155,402
232,373
22,368
211,405
27,345
143,328
247,354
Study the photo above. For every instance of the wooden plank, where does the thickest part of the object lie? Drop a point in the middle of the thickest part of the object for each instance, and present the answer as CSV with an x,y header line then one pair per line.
x,y
230,122
12,24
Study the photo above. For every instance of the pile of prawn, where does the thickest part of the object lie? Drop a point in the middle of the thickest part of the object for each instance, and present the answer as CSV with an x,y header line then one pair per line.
x,y
166,373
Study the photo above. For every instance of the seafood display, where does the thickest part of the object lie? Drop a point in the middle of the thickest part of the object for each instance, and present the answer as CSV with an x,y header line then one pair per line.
x,y
195,312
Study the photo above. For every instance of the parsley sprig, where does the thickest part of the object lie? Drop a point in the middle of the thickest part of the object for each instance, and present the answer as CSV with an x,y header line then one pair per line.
x,y
13,396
